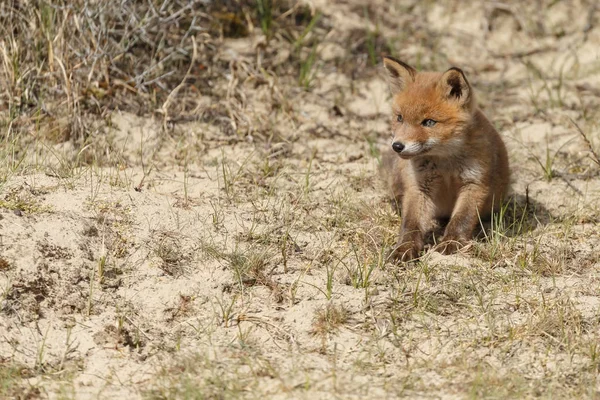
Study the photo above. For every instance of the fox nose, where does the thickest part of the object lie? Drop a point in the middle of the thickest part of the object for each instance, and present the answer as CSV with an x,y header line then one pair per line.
x,y
398,147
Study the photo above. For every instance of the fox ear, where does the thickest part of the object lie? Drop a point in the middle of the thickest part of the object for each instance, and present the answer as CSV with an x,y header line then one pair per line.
x,y
398,74
455,86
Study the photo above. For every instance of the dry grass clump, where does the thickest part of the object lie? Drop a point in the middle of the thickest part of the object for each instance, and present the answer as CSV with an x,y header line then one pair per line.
x,y
64,62
329,319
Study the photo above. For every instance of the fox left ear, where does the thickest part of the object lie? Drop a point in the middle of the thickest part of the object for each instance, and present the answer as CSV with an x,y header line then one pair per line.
x,y
455,86
398,74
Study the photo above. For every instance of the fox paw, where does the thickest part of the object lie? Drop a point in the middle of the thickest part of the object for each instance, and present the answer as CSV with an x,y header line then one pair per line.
x,y
406,251
450,245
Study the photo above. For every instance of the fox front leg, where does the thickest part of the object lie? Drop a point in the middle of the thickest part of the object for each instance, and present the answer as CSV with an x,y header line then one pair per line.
x,y
417,219
470,207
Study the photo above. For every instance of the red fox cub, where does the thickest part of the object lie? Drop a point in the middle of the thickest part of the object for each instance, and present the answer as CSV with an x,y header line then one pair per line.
x,y
446,161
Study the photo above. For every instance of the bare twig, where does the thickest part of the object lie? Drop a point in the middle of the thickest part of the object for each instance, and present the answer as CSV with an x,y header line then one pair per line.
x,y
594,157
525,53
165,107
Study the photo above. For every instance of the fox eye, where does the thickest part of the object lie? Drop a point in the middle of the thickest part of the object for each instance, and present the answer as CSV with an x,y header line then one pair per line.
x,y
428,123
399,118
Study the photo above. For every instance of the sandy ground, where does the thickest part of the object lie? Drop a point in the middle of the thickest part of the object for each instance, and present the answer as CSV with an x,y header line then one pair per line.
x,y
215,261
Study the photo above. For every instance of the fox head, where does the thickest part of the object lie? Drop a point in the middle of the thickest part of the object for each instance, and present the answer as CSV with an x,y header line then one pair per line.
x,y
430,109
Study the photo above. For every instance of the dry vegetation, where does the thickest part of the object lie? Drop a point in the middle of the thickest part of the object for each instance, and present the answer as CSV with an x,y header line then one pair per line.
x,y
189,202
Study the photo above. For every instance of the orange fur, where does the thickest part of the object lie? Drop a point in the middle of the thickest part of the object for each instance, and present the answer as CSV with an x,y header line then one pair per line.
x,y
447,162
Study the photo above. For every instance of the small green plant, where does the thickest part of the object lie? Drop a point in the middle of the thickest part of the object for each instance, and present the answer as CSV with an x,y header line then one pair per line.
x,y
371,40
299,42
225,311
594,353
265,16
361,271
41,352
330,269
547,165
308,61
217,216
229,176
101,268
373,148
548,162
307,68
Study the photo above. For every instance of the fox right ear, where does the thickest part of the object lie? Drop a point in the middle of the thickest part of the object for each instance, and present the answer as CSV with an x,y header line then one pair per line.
x,y
398,74
455,86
